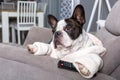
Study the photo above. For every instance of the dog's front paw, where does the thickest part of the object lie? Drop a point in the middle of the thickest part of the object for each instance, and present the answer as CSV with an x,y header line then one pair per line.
x,y
83,69
32,48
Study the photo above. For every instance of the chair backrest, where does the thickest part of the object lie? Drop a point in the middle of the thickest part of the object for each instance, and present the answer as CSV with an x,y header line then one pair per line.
x,y
26,13
42,6
7,5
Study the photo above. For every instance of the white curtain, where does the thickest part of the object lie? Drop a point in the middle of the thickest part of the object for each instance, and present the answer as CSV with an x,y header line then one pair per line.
x,y
76,2
66,8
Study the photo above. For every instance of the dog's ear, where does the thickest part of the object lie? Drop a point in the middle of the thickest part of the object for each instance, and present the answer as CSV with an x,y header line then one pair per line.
x,y
52,20
79,14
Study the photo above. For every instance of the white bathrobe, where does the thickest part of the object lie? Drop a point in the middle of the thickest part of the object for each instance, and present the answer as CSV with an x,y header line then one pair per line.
x,y
90,56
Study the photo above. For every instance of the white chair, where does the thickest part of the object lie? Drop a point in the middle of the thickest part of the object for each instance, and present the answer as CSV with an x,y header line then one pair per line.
x,y
26,18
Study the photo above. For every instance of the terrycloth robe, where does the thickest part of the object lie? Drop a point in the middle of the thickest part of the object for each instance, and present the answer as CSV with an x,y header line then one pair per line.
x,y
90,56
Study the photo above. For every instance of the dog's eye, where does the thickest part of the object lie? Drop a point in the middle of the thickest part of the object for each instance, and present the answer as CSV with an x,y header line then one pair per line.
x,y
68,28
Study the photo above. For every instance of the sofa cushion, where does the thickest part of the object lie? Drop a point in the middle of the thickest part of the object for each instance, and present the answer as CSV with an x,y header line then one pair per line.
x,y
12,70
112,57
101,76
37,34
105,36
116,73
113,20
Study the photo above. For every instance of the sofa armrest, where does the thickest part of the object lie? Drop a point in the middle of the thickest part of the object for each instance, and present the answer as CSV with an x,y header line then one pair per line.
x,y
37,34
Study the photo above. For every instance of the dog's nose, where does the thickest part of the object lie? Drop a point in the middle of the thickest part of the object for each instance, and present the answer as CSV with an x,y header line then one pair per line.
x,y
58,33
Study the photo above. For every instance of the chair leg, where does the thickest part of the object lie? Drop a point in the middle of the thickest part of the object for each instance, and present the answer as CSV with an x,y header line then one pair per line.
x,y
19,41
13,36
23,36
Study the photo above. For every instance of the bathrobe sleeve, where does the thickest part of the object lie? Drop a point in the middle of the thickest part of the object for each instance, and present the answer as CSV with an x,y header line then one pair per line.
x,y
43,48
92,62
89,57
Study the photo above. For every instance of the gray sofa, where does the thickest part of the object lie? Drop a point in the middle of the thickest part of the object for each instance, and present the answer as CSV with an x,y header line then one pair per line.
x,y
16,63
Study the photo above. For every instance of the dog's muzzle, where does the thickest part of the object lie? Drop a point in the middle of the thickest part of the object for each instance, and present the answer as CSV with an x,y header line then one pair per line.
x,y
57,39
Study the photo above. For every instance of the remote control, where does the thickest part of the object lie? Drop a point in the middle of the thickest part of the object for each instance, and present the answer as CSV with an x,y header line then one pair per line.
x,y
66,65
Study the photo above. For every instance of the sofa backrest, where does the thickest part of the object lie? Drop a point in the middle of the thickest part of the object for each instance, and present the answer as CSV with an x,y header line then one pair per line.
x,y
110,36
113,20
37,34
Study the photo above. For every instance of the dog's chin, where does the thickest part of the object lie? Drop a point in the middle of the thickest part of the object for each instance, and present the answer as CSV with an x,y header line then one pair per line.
x,y
60,44
56,43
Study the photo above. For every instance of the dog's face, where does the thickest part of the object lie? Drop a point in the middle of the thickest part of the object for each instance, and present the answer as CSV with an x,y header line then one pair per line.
x,y
68,30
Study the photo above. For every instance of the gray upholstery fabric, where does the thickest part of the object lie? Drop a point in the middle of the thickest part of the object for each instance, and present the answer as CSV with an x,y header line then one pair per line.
x,y
110,36
112,57
105,36
116,73
101,76
38,34
113,20
18,64
111,43
12,70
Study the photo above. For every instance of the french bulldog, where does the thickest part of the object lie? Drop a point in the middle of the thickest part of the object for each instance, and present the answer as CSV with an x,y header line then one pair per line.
x,y
71,43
